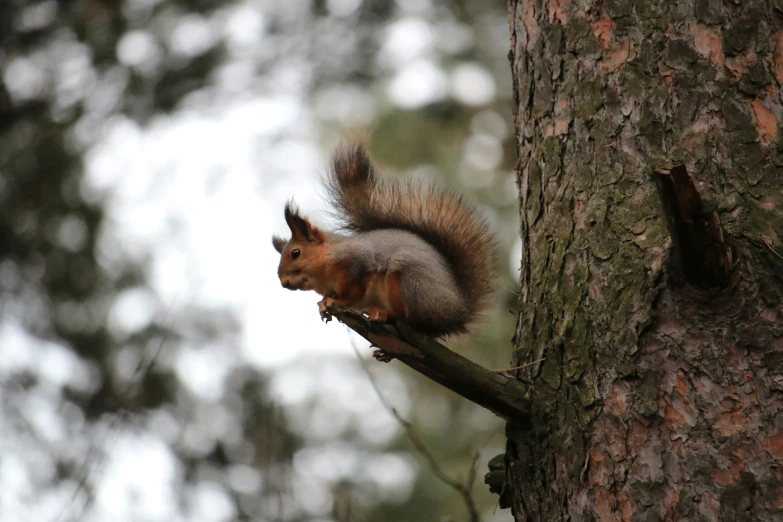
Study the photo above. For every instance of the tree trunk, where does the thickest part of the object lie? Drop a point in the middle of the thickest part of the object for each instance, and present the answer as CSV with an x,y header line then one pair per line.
x,y
661,324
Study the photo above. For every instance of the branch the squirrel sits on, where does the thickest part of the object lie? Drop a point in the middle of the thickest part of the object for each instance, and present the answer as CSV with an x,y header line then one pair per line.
x,y
405,250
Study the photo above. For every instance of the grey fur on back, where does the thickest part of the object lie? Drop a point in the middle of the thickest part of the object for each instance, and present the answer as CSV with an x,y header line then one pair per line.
x,y
427,283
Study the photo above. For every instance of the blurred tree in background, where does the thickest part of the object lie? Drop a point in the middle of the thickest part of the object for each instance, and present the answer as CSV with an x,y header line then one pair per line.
x,y
79,381
96,392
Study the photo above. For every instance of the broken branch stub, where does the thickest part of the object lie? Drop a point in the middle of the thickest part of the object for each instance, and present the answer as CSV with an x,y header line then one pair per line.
x,y
500,394
701,254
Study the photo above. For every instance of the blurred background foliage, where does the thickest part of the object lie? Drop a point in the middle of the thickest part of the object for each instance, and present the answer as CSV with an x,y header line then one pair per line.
x,y
102,416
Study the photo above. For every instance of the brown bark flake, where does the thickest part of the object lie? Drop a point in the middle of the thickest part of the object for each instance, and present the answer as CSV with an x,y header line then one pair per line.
x,y
602,29
616,57
707,43
766,122
777,57
556,9
737,65
774,444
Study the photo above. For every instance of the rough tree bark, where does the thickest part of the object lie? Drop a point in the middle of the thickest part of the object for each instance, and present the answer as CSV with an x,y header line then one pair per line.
x,y
661,319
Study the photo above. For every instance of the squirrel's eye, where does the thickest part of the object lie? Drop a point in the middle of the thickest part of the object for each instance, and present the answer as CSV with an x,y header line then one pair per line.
x,y
295,253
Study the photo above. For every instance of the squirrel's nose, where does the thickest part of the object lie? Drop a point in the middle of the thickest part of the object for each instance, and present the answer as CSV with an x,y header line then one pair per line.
x,y
287,284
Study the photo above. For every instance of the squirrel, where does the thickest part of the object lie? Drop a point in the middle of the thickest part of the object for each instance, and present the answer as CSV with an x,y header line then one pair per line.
x,y
404,251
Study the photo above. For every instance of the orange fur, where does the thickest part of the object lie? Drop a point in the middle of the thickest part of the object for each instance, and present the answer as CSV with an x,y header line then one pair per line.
x,y
347,289
393,295
376,294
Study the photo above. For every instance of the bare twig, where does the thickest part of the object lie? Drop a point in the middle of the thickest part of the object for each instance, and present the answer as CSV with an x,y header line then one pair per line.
x,y
770,247
471,478
520,367
500,495
464,489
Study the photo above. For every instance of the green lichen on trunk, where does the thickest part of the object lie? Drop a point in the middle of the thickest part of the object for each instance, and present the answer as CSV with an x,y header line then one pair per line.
x,y
647,387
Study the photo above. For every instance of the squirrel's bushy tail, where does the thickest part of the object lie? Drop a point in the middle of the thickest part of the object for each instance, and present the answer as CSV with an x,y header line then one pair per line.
x,y
365,202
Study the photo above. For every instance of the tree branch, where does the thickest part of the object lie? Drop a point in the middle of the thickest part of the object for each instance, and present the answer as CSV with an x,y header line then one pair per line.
x,y
705,259
501,394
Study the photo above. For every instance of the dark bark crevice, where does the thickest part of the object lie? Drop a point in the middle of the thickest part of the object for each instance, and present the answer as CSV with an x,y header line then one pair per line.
x,y
702,255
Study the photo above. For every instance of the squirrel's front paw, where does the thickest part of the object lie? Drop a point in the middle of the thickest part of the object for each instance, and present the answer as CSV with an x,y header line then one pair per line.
x,y
323,308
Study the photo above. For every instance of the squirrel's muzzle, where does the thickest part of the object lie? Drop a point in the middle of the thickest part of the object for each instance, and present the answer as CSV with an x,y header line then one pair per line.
x,y
294,283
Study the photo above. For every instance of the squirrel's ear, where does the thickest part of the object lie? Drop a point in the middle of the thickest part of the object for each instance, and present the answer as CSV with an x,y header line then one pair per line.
x,y
279,243
301,227
314,233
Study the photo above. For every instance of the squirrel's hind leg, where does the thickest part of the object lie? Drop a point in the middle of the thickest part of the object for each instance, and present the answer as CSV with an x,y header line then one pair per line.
x,y
385,290
380,315
383,301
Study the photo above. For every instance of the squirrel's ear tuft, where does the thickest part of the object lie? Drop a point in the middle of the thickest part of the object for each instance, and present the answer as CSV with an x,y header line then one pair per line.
x,y
294,220
301,227
291,211
279,243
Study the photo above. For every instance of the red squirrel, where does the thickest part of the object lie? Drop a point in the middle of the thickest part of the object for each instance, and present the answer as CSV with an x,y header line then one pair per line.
x,y
406,251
